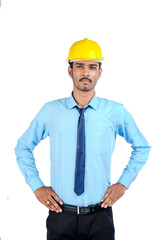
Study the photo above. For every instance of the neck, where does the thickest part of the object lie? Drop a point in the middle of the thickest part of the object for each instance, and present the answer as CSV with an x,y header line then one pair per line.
x,y
83,98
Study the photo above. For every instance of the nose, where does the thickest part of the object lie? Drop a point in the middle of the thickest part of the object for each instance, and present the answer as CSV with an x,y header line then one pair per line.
x,y
86,72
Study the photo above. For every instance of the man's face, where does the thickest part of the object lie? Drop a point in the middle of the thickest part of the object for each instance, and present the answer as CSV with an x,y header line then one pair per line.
x,y
85,74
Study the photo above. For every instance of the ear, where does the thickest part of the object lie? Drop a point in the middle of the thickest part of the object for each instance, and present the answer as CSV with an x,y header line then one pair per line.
x,y
70,71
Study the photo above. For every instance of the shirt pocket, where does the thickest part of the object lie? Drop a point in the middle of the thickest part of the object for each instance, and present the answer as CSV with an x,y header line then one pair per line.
x,y
99,143
103,140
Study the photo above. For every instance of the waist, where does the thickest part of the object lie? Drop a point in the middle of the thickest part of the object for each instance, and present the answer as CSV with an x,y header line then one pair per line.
x,y
81,210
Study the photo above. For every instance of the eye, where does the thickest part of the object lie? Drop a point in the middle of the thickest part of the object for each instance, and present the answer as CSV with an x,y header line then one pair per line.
x,y
78,66
93,68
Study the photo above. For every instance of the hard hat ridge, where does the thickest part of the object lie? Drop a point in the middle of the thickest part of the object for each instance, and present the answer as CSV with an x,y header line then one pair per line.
x,y
85,49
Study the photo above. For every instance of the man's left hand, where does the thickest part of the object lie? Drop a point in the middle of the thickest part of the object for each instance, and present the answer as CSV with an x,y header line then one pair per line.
x,y
114,192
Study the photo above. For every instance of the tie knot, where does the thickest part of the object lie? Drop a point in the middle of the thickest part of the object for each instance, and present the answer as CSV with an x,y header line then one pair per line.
x,y
82,110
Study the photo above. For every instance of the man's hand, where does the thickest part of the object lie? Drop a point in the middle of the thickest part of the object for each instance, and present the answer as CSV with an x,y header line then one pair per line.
x,y
114,192
46,194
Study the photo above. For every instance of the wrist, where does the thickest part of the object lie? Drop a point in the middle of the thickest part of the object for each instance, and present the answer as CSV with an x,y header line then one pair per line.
x,y
124,187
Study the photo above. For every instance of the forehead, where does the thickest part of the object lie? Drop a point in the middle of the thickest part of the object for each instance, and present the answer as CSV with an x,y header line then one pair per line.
x,y
86,63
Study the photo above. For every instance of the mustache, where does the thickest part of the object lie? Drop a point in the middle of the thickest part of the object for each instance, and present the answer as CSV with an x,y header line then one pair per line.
x,y
85,78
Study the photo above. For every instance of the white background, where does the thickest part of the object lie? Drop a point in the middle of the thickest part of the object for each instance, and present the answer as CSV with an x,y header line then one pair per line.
x,y
35,37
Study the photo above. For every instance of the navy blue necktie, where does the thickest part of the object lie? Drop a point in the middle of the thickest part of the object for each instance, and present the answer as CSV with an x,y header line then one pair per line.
x,y
80,153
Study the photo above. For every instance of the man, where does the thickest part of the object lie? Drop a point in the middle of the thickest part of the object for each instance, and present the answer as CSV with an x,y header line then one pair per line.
x,y
82,130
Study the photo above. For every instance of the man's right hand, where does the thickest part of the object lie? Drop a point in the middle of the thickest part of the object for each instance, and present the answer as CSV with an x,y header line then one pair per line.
x,y
46,194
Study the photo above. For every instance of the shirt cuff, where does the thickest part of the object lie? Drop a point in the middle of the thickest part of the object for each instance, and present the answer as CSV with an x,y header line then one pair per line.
x,y
35,183
125,180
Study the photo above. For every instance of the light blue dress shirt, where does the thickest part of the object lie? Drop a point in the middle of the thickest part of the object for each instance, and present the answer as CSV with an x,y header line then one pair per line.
x,y
104,119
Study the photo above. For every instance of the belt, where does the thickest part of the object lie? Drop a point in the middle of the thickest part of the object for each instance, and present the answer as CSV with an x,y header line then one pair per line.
x,y
82,210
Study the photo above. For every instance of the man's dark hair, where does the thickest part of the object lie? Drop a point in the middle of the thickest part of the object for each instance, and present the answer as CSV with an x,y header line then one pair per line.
x,y
71,64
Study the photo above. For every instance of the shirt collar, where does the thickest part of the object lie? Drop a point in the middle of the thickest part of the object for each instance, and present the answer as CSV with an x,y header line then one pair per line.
x,y
72,103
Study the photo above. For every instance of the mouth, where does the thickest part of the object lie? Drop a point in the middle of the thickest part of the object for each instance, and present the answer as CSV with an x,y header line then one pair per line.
x,y
85,80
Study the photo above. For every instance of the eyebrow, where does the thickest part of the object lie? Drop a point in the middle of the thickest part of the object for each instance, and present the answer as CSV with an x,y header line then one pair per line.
x,y
92,64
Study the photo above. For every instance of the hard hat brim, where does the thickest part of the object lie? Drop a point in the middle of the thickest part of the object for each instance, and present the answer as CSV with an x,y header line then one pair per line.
x,y
74,60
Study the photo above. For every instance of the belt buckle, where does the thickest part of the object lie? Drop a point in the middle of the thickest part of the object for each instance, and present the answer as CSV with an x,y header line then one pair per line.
x,y
78,210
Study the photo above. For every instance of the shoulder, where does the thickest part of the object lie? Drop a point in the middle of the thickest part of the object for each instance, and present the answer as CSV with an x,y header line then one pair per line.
x,y
55,103
110,103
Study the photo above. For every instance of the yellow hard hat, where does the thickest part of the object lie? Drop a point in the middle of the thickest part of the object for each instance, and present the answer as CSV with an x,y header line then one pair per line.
x,y
85,49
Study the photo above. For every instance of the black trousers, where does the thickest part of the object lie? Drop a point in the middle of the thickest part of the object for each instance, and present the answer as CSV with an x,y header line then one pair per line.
x,y
71,226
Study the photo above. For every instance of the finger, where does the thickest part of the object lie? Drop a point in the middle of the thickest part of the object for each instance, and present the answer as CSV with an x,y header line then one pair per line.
x,y
56,196
111,204
53,208
55,204
49,206
107,201
108,204
107,194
